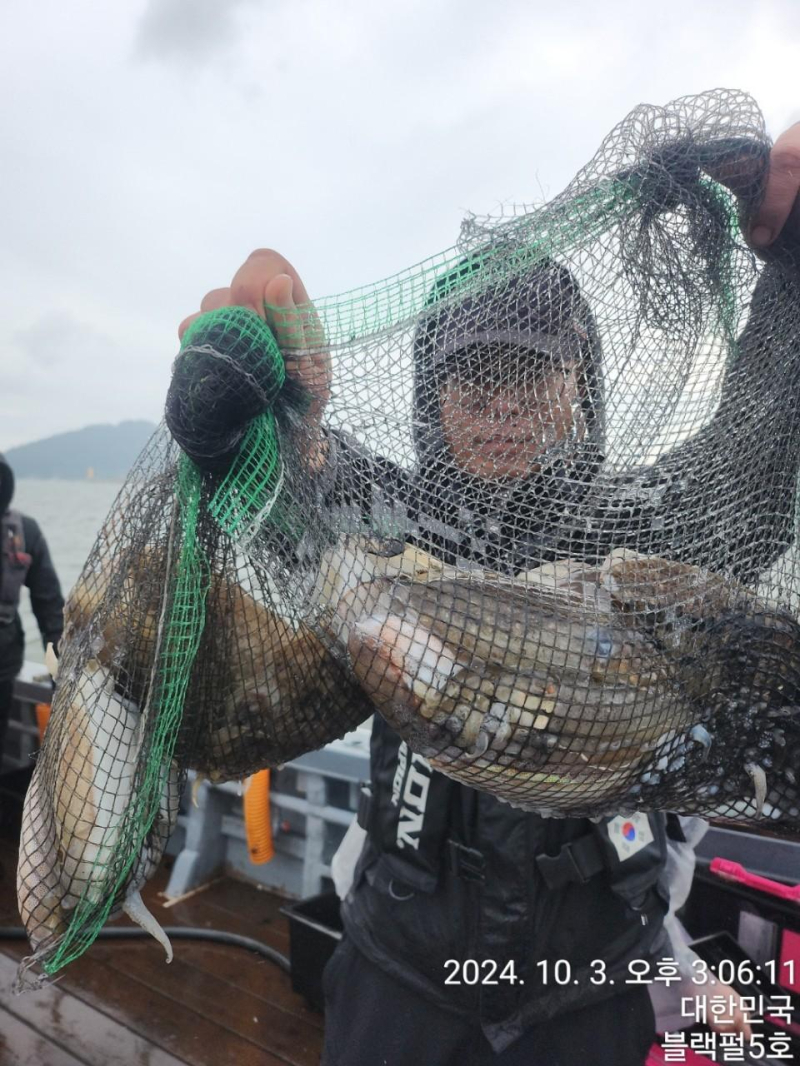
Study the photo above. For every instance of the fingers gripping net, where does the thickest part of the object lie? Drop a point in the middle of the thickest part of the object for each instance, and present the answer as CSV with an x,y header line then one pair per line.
x,y
533,500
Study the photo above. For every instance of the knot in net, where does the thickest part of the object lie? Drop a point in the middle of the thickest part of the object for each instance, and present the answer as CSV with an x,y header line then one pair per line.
x,y
228,372
534,501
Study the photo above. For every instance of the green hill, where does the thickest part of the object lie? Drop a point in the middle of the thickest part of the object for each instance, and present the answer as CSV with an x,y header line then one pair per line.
x,y
107,451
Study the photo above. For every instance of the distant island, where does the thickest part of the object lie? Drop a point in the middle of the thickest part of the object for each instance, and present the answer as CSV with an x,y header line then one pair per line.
x,y
101,452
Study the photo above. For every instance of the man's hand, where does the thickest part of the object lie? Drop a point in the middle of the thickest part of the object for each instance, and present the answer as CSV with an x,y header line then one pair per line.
x,y
268,284
783,187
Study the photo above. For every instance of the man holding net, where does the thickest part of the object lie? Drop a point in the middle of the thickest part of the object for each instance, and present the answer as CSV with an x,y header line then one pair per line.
x,y
508,431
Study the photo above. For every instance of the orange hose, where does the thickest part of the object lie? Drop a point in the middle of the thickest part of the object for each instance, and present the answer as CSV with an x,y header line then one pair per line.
x,y
42,718
257,823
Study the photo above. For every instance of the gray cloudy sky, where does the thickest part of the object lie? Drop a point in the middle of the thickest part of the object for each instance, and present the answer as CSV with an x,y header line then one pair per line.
x,y
149,145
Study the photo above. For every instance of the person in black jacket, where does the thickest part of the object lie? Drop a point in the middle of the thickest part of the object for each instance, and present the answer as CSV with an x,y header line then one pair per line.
x,y
477,933
24,561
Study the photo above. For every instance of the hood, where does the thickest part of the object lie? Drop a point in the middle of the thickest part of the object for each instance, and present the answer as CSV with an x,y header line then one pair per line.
x,y
6,485
539,306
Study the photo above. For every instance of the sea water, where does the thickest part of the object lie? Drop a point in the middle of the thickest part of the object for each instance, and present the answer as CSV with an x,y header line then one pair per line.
x,y
69,514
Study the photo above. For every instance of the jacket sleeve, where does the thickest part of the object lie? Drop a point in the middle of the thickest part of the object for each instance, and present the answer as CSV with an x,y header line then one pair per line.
x,y
47,602
726,497
368,493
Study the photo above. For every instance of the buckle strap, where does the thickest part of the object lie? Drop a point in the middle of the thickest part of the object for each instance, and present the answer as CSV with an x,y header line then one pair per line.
x,y
675,829
364,806
466,863
579,860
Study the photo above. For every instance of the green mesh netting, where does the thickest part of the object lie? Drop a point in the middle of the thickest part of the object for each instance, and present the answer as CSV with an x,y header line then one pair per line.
x,y
534,501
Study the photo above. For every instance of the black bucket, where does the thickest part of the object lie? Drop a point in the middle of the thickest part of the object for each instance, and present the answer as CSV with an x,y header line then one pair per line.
x,y
315,928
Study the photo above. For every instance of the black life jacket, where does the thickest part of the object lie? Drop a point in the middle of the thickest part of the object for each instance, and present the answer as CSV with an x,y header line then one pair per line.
x,y
448,872
15,562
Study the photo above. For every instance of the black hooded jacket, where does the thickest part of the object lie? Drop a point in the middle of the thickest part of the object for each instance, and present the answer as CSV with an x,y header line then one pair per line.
x,y
449,873
26,564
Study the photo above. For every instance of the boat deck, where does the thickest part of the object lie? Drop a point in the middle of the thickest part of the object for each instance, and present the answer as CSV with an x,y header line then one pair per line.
x,y
214,1005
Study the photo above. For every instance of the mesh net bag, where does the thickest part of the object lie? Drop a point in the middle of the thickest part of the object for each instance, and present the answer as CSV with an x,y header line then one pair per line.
x,y
533,500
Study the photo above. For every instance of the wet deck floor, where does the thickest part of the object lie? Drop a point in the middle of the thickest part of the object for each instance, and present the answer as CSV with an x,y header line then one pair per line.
x,y
214,1005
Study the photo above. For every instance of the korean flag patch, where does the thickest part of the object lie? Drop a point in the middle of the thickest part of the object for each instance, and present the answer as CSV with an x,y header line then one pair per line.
x,y
629,834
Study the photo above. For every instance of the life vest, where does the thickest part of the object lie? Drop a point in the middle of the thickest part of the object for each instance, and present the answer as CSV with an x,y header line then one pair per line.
x,y
15,562
412,822
451,873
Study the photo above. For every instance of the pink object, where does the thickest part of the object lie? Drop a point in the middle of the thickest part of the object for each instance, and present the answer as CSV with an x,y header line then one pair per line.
x,y
734,871
789,969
